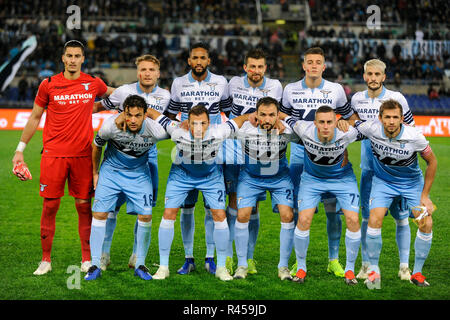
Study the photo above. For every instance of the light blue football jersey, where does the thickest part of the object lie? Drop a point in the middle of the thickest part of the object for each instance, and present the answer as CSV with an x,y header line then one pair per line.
x,y
198,156
324,160
158,99
264,153
395,160
212,92
301,103
127,150
368,109
244,97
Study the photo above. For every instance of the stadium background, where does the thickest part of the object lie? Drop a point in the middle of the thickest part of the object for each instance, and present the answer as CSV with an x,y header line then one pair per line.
x,y
414,42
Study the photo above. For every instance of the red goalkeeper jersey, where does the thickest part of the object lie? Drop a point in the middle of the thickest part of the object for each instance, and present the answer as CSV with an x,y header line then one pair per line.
x,y
68,126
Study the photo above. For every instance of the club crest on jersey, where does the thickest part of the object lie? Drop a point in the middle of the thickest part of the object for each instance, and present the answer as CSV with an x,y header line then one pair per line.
x,y
212,85
265,92
325,93
337,143
158,100
86,85
43,186
402,145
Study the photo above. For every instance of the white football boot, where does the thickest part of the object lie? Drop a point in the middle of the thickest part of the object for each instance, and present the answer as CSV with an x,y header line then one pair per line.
x,y
161,273
44,267
85,266
223,274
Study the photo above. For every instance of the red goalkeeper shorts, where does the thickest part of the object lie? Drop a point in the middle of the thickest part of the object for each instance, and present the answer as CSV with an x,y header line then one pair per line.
x,y
76,170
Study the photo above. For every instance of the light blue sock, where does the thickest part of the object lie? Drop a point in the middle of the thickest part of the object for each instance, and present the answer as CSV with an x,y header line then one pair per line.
x,y
111,223
403,237
98,230
135,237
241,235
422,246
231,218
352,242
187,223
374,244
165,237
253,229
364,255
143,238
209,234
301,242
334,230
286,243
221,237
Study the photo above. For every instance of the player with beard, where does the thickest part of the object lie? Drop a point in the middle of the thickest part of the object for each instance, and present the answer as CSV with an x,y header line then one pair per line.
x,y
245,91
367,104
199,86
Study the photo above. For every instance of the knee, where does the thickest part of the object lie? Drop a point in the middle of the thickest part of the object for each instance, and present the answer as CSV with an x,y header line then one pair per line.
x,y
145,218
100,215
286,215
218,214
427,225
170,213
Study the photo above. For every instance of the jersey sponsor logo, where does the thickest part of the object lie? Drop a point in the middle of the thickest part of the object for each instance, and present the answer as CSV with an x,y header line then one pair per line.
x,y
245,97
86,85
199,94
74,96
313,100
43,186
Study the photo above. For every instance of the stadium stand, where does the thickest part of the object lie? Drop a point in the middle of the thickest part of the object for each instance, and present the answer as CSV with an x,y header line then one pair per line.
x,y
414,40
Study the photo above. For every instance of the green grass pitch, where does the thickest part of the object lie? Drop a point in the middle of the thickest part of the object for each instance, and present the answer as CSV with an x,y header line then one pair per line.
x,y
20,249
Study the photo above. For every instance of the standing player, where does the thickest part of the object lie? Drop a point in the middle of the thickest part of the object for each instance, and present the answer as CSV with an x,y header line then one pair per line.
x,y
157,98
245,92
67,139
326,172
301,100
367,103
124,171
199,86
265,169
196,168
397,174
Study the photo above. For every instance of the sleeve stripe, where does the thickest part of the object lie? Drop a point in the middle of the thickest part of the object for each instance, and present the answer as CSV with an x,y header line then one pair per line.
x,y
285,110
98,141
232,125
164,121
346,111
408,117
426,151
290,121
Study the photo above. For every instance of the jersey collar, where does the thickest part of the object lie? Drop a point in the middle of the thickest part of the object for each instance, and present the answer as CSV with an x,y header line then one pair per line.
x,y
139,90
207,79
304,86
380,96
247,84
402,128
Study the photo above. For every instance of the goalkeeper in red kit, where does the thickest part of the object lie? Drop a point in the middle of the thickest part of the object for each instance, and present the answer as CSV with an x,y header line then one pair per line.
x,y
67,147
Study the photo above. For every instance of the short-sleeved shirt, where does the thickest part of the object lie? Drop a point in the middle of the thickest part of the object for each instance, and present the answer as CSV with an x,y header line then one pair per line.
x,y
158,99
244,97
128,150
212,92
68,128
395,160
324,160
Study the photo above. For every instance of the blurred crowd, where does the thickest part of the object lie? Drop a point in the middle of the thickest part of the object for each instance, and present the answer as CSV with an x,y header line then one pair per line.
x,y
115,37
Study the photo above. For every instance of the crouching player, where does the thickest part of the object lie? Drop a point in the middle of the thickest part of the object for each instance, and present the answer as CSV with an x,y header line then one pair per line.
x,y
326,172
397,174
196,168
124,170
265,169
